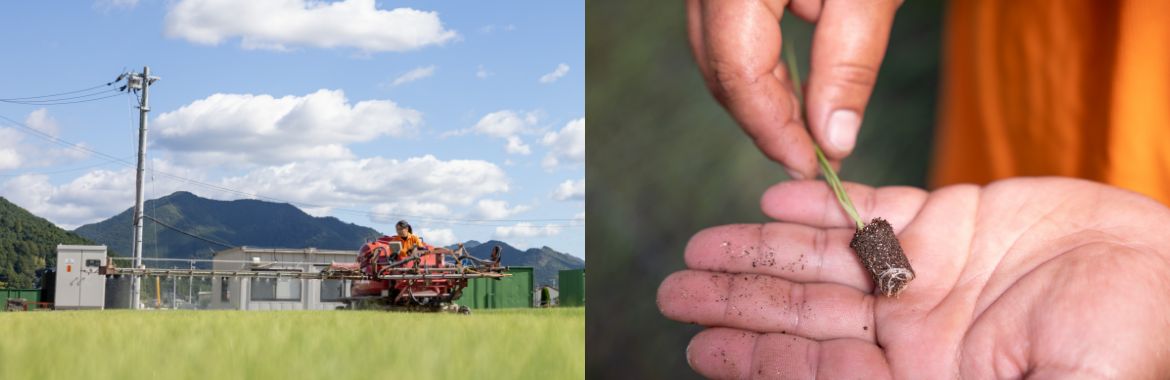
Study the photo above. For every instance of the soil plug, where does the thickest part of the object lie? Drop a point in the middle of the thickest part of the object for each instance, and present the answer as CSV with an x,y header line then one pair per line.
x,y
874,243
879,251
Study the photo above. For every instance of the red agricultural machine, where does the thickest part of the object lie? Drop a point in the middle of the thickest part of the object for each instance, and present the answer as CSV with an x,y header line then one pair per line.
x,y
385,277
425,278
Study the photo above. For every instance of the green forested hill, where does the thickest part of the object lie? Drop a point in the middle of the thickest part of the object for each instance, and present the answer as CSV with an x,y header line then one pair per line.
x,y
28,242
232,223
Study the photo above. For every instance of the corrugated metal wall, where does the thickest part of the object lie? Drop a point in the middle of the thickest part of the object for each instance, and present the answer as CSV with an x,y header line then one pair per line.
x,y
509,292
572,287
30,295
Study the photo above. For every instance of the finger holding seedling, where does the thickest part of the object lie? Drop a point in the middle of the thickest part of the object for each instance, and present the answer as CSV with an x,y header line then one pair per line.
x,y
875,243
737,47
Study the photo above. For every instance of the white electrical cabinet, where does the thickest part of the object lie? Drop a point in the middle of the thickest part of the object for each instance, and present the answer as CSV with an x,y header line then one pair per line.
x,y
79,286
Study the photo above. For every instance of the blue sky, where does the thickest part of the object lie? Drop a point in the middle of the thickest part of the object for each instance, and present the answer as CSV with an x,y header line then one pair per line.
x,y
465,117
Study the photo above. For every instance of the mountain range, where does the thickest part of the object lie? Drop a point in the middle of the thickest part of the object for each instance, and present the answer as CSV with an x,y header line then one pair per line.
x,y
183,225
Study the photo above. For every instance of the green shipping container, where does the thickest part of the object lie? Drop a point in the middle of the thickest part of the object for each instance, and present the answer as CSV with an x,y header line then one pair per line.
x,y
509,292
572,283
31,295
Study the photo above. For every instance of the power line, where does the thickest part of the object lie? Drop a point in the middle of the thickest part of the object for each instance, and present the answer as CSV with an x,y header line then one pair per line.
x,y
59,93
38,133
55,98
69,100
84,95
176,229
103,163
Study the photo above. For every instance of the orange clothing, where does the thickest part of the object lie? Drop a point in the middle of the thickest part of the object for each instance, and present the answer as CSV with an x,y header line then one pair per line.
x,y
1075,88
409,242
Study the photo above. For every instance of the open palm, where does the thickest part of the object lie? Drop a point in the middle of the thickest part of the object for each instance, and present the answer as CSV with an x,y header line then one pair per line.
x,y
1034,277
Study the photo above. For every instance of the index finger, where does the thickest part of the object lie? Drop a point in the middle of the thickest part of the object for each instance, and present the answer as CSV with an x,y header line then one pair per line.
x,y
814,204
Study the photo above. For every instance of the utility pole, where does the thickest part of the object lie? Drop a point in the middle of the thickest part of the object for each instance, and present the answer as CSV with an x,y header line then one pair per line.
x,y
136,81
191,287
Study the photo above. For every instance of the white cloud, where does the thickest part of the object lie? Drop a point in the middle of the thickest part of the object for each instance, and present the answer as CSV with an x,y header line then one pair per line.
x,y
568,144
16,152
482,73
438,237
527,230
376,180
9,159
41,120
392,212
570,190
557,73
321,211
413,75
505,123
10,149
496,209
260,129
97,194
282,24
89,198
517,146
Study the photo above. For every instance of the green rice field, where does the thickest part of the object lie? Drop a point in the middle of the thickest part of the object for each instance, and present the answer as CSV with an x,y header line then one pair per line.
x,y
122,344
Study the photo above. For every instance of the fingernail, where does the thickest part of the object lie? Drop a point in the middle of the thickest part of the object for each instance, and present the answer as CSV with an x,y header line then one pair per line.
x,y
792,174
690,362
843,126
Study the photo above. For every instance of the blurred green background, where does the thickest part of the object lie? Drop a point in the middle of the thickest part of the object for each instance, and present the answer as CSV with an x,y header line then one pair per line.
x,y
665,161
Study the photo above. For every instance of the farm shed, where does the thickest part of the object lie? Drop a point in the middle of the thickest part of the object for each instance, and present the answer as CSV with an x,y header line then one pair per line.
x,y
509,292
31,296
282,293
572,287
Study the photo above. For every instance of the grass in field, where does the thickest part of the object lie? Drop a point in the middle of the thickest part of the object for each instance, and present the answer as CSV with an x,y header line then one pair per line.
x,y
122,344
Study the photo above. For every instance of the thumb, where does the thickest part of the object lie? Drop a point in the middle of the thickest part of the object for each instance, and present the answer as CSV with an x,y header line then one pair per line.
x,y
848,47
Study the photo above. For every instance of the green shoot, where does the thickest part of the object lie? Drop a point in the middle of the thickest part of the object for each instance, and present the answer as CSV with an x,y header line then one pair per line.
x,y
830,174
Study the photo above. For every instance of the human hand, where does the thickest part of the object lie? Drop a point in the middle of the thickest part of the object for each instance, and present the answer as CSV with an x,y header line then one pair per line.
x,y
1036,277
737,47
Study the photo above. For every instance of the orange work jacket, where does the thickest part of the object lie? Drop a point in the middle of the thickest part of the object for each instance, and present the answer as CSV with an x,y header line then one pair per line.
x,y
409,242
1074,88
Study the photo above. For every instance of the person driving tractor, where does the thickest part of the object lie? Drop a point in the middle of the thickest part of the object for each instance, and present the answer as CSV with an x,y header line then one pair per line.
x,y
408,238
